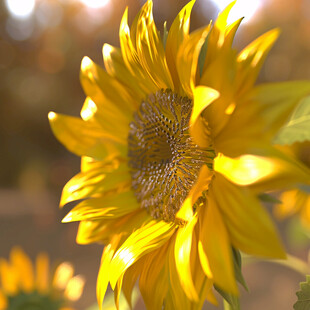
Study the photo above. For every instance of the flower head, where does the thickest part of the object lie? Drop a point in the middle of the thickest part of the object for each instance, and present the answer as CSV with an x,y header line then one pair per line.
x,y
174,156
23,288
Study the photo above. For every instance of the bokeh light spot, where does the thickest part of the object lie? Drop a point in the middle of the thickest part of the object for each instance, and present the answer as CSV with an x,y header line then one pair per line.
x,y
242,8
95,4
20,8
19,30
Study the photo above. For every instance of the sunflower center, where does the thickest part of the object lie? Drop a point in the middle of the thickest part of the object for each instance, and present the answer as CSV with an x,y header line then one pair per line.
x,y
34,301
163,158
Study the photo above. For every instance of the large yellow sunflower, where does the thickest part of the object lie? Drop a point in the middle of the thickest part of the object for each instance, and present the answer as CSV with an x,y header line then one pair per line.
x,y
22,288
174,156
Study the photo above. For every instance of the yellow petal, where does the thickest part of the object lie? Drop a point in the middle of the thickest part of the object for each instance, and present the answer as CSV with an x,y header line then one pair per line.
x,y
182,252
104,271
214,247
131,58
248,224
288,206
220,75
142,241
129,280
21,262
63,273
103,230
186,211
107,165
74,288
252,57
244,170
187,59
94,183
115,66
277,101
203,97
221,36
99,85
153,278
105,118
178,30
85,138
3,301
9,278
42,272
150,49
262,112
106,207
117,292
176,297
273,170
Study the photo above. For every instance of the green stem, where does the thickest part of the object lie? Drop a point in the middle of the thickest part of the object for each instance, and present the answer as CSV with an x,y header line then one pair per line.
x,y
228,306
292,262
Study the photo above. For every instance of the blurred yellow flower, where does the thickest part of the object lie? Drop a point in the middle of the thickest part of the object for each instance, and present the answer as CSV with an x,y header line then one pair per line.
x,y
175,142
26,286
296,201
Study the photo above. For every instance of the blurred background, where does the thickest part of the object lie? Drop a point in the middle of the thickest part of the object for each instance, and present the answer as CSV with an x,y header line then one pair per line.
x,y
42,43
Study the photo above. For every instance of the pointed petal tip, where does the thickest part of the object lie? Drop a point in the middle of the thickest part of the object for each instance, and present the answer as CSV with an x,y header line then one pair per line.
x,y
203,96
86,63
52,116
67,218
107,49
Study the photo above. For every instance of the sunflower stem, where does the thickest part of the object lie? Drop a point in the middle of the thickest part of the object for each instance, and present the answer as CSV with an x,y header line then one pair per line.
x,y
228,306
292,262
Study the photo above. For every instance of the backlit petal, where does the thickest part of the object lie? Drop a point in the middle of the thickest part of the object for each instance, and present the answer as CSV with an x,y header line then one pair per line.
x,y
105,207
150,49
131,58
187,59
183,244
94,183
214,247
98,85
145,239
248,224
177,32
85,138
153,281
252,57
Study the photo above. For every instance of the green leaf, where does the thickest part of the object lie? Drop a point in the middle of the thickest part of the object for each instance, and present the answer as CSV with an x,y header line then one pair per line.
x,y
303,295
297,129
268,198
232,301
237,267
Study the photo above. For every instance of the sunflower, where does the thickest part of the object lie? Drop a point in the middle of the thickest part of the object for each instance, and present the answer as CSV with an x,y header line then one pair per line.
x,y
173,157
296,201
23,289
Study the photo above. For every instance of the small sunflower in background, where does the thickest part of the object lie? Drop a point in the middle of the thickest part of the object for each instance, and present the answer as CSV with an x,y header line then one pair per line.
x,y
296,201
27,286
176,145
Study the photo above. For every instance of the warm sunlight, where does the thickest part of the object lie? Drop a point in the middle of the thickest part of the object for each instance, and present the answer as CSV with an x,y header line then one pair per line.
x,y
20,8
242,8
95,4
